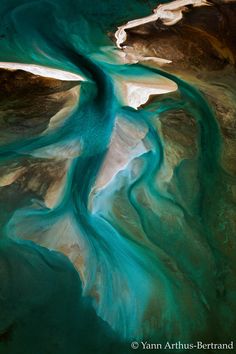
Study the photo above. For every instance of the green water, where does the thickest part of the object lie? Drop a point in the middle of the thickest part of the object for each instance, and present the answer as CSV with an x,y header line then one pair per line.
x,y
159,287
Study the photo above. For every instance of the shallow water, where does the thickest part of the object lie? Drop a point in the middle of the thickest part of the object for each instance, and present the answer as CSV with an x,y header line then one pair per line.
x,y
149,259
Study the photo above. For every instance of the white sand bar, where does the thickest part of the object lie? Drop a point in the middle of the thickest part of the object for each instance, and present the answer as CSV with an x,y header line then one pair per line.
x,y
43,71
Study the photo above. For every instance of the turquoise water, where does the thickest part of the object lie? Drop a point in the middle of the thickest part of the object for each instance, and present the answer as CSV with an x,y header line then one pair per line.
x,y
149,286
